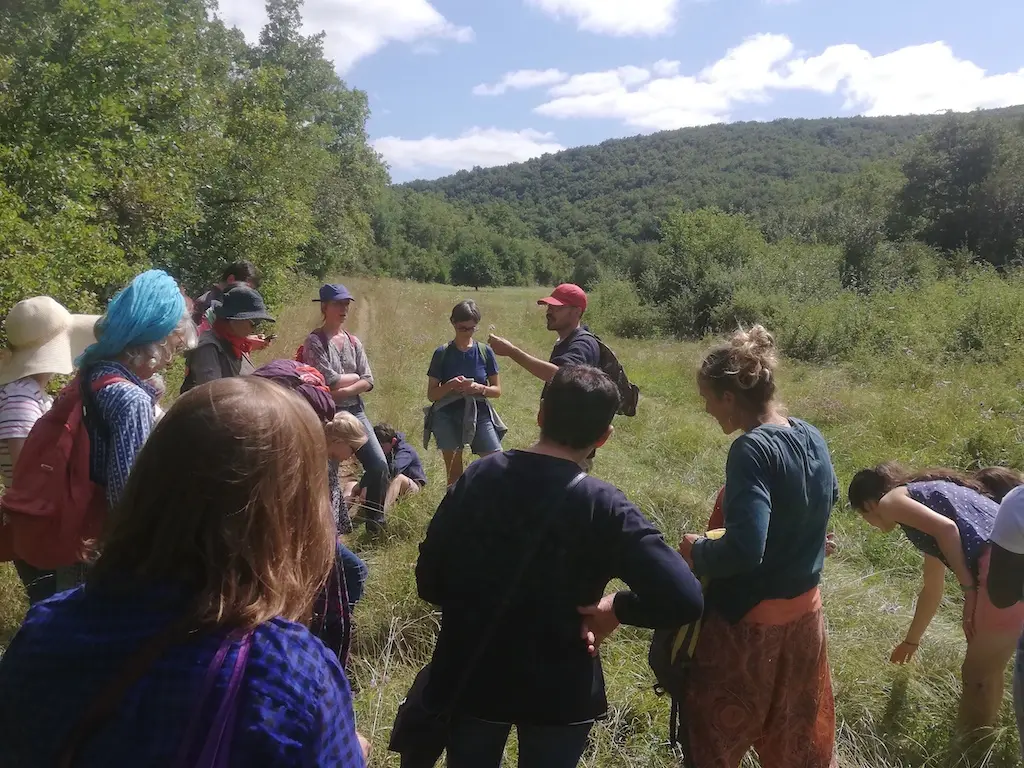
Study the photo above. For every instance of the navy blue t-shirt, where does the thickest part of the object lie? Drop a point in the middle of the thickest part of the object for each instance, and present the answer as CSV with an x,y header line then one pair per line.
x,y
477,363
578,348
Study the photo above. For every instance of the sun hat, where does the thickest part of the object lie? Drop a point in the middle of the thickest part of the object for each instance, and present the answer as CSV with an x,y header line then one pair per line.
x,y
242,303
43,337
566,295
147,310
334,292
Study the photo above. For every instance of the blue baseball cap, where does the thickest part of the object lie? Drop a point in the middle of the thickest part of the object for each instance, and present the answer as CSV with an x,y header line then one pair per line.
x,y
334,292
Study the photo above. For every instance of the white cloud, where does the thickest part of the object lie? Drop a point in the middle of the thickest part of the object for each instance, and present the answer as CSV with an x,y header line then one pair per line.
x,y
601,82
674,100
666,68
354,28
916,79
619,18
521,80
477,146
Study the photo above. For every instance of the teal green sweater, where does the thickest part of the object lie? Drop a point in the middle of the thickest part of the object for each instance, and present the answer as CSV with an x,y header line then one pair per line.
x,y
779,492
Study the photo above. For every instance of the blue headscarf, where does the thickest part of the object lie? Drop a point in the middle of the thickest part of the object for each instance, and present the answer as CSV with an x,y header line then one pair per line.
x,y
147,310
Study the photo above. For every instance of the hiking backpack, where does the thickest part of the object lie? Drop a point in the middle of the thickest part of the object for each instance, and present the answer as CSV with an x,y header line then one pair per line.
x,y
53,512
629,393
670,656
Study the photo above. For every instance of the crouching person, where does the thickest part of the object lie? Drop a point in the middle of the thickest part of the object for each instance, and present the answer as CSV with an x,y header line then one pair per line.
x,y
518,557
188,644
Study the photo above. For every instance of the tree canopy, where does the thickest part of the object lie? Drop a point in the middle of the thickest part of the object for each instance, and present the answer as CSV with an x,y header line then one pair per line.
x,y
148,133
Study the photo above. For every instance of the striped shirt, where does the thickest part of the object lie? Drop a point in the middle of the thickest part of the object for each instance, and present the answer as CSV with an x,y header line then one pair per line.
x,y
126,417
22,403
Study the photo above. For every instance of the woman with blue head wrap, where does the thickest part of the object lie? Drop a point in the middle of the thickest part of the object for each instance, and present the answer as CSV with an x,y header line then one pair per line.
x,y
145,326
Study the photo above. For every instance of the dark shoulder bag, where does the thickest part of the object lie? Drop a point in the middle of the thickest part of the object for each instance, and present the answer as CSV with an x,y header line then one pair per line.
x,y
420,734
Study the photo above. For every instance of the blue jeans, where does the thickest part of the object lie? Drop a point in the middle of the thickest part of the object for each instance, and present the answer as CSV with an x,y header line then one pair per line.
x,y
39,584
376,476
355,571
447,428
480,744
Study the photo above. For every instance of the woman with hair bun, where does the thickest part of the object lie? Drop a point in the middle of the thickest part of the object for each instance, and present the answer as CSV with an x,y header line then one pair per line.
x,y
948,517
760,676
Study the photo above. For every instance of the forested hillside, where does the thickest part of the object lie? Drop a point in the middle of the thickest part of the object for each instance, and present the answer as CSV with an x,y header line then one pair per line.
x,y
596,198
843,235
144,133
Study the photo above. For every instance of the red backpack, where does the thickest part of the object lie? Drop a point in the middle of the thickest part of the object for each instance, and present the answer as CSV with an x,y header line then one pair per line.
x,y
53,511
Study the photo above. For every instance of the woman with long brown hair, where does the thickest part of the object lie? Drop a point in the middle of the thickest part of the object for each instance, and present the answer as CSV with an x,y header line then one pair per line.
x,y
948,517
188,644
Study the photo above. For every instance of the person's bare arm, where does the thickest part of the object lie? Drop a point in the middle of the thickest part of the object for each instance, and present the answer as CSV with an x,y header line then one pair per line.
x,y
928,600
542,369
899,507
436,390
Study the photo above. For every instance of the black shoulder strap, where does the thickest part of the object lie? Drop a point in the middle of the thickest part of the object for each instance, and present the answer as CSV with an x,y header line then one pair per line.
x,y
513,587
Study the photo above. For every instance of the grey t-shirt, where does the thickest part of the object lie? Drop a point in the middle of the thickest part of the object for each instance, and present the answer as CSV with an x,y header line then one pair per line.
x,y
343,354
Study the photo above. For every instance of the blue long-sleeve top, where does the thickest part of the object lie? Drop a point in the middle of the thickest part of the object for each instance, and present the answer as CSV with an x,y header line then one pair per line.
x,y
126,417
780,488
535,668
294,706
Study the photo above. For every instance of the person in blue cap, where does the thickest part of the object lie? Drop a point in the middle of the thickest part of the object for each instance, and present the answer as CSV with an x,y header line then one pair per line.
x,y
340,357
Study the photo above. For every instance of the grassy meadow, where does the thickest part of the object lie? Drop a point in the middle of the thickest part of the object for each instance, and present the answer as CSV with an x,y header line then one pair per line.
x,y
670,461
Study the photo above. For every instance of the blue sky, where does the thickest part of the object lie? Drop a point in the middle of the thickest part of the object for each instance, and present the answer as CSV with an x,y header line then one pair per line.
x,y
459,83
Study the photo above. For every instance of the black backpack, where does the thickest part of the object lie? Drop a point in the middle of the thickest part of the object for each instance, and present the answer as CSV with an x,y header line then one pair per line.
x,y
629,393
669,657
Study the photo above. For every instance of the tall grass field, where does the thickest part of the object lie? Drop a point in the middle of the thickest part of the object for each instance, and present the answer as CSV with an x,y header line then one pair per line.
x,y
670,461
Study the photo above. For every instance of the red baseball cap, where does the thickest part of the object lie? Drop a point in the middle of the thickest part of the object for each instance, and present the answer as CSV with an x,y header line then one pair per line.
x,y
566,295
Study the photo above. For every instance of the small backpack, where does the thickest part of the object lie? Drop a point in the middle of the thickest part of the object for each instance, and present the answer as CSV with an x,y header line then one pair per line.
x,y
670,655
53,511
299,353
629,393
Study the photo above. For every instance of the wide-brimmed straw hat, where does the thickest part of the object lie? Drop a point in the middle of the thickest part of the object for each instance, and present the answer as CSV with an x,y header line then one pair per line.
x,y
43,337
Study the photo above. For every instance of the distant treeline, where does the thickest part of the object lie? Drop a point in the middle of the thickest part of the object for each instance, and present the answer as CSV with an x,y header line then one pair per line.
x,y
846,236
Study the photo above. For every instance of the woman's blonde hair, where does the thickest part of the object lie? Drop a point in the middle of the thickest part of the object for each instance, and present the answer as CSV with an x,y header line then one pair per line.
x,y
745,365
228,501
346,428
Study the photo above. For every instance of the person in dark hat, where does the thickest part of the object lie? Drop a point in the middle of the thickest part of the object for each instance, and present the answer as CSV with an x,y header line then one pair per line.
x,y
340,357
223,350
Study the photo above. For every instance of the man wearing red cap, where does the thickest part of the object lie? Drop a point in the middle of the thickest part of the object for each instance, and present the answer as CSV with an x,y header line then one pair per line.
x,y
576,345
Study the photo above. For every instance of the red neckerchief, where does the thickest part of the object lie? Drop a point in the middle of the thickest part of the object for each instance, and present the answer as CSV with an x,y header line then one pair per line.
x,y
240,345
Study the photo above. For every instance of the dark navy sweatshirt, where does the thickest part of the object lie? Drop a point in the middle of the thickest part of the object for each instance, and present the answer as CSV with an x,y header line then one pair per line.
x,y
535,668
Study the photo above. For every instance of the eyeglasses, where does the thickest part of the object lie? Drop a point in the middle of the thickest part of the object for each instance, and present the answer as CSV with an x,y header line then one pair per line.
x,y
466,328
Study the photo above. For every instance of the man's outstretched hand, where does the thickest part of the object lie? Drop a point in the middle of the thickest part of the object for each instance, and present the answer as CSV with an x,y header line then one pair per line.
x,y
598,623
502,347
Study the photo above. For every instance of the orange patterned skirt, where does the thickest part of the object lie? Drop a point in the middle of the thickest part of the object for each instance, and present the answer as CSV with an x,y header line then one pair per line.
x,y
763,683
